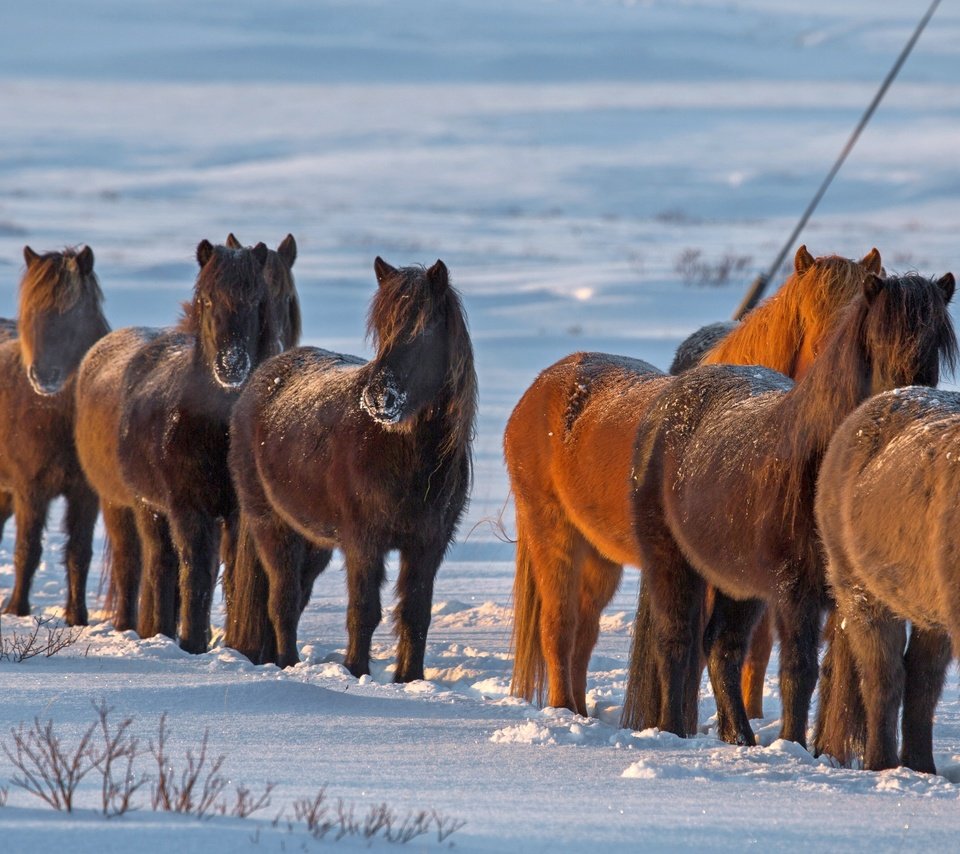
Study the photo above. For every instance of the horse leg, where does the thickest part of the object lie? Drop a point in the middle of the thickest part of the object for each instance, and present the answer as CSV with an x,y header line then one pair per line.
x,y
418,570
195,537
31,516
599,579
926,661
798,624
228,551
365,577
315,561
6,509
81,518
282,554
755,666
725,642
676,598
877,640
158,581
125,565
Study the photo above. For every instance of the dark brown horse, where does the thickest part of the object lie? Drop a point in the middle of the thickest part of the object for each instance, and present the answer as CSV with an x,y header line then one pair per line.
x,y
368,457
100,396
60,317
724,471
888,516
569,451
801,312
177,393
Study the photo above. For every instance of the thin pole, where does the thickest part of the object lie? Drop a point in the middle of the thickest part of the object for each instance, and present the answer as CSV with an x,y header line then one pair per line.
x,y
760,283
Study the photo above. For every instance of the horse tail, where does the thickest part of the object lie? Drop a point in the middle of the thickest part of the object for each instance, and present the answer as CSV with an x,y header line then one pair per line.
x,y
248,627
641,703
841,718
529,666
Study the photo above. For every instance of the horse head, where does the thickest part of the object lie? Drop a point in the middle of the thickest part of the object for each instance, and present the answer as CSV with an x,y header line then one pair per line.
x,y
278,271
416,321
61,315
907,331
231,314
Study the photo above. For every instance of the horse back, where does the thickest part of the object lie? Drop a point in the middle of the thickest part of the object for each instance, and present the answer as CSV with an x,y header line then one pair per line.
x,y
705,472
887,502
569,442
99,402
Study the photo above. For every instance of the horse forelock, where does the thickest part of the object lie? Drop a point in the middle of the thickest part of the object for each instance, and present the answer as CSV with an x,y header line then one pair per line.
x,y
230,278
54,283
805,308
405,304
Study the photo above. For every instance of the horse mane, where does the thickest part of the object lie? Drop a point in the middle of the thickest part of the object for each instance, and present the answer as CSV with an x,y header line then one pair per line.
x,y
805,307
404,305
883,328
283,293
54,282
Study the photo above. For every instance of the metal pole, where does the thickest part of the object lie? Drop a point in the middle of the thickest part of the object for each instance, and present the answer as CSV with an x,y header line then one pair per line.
x,y
760,283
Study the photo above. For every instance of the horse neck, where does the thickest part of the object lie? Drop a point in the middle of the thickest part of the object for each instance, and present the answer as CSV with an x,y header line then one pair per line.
x,y
838,381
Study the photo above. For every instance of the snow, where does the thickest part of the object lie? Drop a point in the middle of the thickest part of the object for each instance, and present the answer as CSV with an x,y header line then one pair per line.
x,y
560,156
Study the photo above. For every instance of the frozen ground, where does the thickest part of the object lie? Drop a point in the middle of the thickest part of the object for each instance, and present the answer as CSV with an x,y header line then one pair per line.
x,y
561,157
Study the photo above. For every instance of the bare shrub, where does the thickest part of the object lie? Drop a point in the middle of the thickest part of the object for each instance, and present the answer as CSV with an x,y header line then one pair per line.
x,y
446,826
197,787
246,804
114,760
45,768
694,269
46,638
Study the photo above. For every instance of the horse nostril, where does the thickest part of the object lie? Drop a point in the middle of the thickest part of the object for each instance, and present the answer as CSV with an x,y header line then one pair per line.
x,y
390,399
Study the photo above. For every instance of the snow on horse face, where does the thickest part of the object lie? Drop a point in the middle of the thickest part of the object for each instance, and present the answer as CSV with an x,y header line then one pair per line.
x,y
60,318
724,473
328,451
569,451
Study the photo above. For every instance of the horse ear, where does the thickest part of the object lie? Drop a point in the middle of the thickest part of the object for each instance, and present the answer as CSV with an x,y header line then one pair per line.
x,y
85,261
232,241
382,269
948,285
288,249
871,261
30,256
204,252
872,286
803,260
438,275
260,253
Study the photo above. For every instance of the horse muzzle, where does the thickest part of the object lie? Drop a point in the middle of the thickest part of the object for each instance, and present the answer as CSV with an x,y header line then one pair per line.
x,y
232,367
383,402
47,382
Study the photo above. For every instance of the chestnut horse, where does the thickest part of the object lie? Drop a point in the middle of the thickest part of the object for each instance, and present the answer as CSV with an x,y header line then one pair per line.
x,y
724,472
569,451
100,396
330,451
887,510
60,317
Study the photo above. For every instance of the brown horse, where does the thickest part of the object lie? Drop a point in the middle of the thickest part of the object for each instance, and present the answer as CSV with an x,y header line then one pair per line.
x,y
803,311
60,317
100,395
569,451
724,471
368,457
887,511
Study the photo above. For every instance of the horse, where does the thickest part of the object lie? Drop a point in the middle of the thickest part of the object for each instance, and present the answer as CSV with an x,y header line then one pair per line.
x,y
176,394
330,451
802,319
886,508
60,317
99,400
568,447
724,472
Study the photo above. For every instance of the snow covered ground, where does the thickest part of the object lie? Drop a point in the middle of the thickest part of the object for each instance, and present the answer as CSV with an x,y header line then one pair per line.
x,y
563,158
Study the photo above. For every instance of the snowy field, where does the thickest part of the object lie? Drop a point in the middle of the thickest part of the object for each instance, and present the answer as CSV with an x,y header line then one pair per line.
x,y
566,160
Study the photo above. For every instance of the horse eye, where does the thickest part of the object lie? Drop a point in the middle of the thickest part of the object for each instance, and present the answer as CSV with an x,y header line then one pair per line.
x,y
207,302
